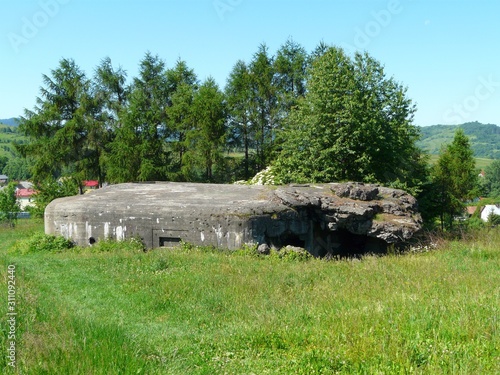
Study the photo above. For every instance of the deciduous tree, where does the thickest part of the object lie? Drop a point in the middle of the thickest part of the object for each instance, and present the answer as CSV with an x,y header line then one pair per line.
x,y
353,124
491,181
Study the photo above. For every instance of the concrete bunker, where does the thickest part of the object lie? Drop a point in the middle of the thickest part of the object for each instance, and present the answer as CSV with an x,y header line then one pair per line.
x,y
326,219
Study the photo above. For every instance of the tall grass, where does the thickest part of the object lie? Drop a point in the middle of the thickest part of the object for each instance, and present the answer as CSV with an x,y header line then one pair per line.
x,y
200,311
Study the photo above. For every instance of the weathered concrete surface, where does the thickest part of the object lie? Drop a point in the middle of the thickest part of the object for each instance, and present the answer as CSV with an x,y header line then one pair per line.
x,y
325,218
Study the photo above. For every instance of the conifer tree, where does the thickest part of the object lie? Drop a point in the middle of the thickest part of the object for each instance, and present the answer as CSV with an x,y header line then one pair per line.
x,y
62,130
455,176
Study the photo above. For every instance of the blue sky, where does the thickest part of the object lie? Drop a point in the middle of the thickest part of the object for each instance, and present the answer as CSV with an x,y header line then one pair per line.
x,y
445,51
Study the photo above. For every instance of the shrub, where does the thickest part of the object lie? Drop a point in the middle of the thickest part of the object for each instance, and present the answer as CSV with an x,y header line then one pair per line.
x,y
291,253
494,219
475,223
49,190
41,242
248,250
133,244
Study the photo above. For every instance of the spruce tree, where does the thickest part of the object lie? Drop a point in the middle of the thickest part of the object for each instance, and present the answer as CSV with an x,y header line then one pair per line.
x,y
455,176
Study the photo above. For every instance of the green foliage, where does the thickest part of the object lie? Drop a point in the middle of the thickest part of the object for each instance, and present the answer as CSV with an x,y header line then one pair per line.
x,y
18,168
58,127
137,153
493,219
207,138
42,243
475,223
291,254
491,181
9,208
239,102
11,164
3,162
49,189
8,136
455,179
264,108
109,246
180,115
484,138
353,124
328,116
259,96
248,250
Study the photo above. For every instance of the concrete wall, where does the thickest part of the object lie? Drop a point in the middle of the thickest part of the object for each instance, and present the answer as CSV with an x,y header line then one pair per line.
x,y
338,219
163,214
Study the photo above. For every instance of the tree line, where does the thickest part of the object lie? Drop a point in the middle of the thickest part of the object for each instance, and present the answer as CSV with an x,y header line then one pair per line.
x,y
165,124
322,116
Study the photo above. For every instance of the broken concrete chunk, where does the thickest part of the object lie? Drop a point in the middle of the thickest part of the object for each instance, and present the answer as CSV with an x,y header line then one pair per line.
x,y
357,191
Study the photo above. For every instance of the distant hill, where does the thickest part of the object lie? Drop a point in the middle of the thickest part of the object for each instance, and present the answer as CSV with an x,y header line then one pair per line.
x,y
484,138
10,121
8,135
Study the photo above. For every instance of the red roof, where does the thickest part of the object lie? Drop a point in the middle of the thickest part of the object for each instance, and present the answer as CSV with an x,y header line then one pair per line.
x,y
471,210
91,183
25,193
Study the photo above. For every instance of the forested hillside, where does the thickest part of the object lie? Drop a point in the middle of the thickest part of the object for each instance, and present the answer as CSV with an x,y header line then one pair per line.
x,y
10,121
484,138
9,134
11,163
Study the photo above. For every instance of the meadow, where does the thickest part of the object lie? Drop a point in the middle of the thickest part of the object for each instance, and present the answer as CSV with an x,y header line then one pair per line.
x,y
481,163
119,310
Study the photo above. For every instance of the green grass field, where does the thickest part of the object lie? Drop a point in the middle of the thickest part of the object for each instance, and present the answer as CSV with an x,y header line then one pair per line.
x,y
481,163
200,311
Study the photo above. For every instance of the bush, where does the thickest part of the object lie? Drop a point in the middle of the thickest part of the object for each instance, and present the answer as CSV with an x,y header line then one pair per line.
x,y
475,223
49,190
494,219
291,253
248,250
133,244
42,243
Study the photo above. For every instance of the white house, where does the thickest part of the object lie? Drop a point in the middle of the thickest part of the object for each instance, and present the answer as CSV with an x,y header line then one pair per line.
x,y
488,210
3,179
25,198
